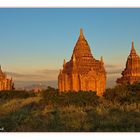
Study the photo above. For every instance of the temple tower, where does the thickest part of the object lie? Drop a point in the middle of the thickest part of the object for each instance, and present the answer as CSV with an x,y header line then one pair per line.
x,y
131,72
83,72
5,83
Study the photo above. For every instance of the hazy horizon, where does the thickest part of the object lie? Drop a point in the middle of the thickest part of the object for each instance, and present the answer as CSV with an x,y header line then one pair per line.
x,y
34,41
23,80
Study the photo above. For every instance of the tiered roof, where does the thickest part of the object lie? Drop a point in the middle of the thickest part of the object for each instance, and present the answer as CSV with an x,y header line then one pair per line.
x,y
82,60
131,72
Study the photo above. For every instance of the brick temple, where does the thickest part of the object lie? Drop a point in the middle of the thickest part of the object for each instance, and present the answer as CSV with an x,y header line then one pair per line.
x,y
83,72
131,72
5,83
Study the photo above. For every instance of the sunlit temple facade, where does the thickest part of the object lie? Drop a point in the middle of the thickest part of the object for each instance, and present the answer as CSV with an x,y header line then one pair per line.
x,y
131,73
83,72
5,83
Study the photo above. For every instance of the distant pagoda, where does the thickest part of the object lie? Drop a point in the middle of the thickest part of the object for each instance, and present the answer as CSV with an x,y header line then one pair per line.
x,y
83,72
131,73
5,83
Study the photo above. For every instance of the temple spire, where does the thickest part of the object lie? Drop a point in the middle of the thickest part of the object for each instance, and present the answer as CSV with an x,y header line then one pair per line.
x,y
133,51
64,62
82,49
81,32
131,72
101,59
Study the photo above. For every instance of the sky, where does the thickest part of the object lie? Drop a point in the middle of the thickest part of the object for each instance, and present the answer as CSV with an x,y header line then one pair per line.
x,y
34,41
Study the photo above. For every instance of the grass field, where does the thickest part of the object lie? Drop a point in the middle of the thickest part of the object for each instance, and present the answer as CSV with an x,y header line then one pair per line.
x,y
117,111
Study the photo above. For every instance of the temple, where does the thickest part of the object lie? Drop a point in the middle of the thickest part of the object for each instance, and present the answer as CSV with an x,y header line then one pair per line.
x,y
131,73
83,72
5,83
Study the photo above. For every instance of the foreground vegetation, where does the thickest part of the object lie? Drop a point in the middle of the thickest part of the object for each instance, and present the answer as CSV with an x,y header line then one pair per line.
x,y
117,111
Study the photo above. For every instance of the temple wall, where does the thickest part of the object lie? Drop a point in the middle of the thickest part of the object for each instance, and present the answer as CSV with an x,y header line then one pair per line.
x,y
75,82
1,85
67,82
5,84
91,85
83,83
61,82
88,83
101,85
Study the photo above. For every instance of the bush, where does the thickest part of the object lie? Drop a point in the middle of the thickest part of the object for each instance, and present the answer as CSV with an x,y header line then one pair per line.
x,y
117,111
70,98
8,95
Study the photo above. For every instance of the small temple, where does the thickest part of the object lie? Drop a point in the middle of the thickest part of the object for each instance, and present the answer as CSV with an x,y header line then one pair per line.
x,y
131,73
83,72
5,83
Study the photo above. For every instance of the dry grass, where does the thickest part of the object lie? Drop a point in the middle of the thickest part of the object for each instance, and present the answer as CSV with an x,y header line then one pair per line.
x,y
15,104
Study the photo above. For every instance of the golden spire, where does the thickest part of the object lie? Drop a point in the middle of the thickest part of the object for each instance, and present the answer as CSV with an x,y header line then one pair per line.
x,y
64,62
101,60
133,45
81,32
133,51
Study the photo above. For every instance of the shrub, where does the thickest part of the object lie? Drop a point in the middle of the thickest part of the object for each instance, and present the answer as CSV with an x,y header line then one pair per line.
x,y
8,95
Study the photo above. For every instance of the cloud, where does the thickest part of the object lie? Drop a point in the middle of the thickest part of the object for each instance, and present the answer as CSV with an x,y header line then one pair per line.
x,y
21,75
49,74
44,75
47,71
38,75
114,71
110,66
